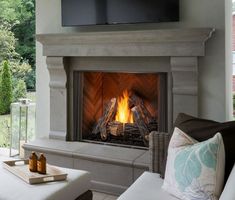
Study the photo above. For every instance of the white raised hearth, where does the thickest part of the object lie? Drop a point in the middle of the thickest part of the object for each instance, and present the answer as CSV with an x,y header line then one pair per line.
x,y
173,52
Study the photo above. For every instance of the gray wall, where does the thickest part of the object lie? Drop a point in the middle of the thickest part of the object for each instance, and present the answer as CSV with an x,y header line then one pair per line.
x,y
214,70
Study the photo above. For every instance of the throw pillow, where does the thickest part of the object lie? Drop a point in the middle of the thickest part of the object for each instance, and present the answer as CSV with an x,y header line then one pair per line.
x,y
194,170
199,129
203,129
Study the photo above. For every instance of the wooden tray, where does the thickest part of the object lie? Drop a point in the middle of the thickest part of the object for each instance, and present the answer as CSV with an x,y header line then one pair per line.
x,y
21,169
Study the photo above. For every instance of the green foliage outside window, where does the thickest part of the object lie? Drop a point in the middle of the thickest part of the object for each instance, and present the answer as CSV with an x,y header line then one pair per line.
x,y
20,70
19,91
17,57
7,45
17,37
5,89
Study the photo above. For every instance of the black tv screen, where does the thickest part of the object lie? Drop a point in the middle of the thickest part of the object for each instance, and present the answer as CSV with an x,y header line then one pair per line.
x,y
99,12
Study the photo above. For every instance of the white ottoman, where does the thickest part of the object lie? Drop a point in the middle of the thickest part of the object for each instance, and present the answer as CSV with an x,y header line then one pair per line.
x,y
13,188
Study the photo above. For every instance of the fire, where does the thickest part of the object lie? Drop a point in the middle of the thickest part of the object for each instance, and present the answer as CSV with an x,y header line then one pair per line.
x,y
124,113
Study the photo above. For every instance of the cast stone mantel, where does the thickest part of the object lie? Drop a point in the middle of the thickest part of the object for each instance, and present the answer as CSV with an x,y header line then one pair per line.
x,y
166,42
182,46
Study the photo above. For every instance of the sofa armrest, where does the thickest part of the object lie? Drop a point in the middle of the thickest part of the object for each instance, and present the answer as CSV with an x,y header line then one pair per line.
x,y
158,145
229,192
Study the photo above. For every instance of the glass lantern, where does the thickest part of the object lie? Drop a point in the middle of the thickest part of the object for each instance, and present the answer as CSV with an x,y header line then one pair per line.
x,y
23,118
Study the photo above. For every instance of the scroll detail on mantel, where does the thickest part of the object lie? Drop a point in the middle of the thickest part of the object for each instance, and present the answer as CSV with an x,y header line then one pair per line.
x,y
182,46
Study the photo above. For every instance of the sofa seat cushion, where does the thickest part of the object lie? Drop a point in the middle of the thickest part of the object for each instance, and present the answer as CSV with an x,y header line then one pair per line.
x,y
147,187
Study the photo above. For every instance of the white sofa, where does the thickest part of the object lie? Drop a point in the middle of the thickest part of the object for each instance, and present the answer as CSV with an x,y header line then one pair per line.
x,y
146,187
149,185
229,191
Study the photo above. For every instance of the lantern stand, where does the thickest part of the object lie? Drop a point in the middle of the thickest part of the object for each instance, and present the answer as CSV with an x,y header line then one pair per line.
x,y
23,117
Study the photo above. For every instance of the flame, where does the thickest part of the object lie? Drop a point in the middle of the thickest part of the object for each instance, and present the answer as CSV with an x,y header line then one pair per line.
x,y
124,114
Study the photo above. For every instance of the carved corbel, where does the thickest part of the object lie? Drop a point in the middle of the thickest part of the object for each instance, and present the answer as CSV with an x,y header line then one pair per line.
x,y
58,97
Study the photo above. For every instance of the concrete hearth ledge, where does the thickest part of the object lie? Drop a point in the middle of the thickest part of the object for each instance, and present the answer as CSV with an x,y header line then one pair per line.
x,y
113,169
89,151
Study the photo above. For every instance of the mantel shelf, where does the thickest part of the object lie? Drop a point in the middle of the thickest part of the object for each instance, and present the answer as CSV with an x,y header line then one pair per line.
x,y
164,42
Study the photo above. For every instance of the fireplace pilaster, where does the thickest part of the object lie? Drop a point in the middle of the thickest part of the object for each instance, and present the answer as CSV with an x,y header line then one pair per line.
x,y
58,97
185,85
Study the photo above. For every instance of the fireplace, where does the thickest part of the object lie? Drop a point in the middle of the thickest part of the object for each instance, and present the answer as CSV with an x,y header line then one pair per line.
x,y
119,108
169,57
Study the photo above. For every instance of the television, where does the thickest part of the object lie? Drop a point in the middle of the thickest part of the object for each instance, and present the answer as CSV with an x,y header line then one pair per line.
x,y
100,12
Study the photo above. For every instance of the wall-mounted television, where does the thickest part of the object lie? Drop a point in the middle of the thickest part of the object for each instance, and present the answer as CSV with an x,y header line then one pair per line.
x,y
100,12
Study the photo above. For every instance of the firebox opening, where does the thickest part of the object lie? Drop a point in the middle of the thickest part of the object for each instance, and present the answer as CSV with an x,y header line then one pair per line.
x,y
119,108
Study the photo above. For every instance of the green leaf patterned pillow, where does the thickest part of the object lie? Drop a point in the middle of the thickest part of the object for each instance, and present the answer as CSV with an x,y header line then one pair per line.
x,y
194,170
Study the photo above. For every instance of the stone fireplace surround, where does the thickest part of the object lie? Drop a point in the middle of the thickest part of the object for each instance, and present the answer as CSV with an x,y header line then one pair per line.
x,y
174,52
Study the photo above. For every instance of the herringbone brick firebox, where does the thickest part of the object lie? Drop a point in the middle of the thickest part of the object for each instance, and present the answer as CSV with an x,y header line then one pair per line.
x,y
110,98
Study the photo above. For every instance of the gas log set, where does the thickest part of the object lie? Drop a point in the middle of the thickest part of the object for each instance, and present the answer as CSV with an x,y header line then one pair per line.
x,y
127,120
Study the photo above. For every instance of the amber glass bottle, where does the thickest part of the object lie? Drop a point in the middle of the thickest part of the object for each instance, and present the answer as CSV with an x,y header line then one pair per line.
x,y
33,162
41,164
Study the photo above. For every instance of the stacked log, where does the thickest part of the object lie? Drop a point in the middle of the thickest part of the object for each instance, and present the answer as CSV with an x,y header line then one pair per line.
x,y
143,124
109,114
139,120
143,111
121,129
